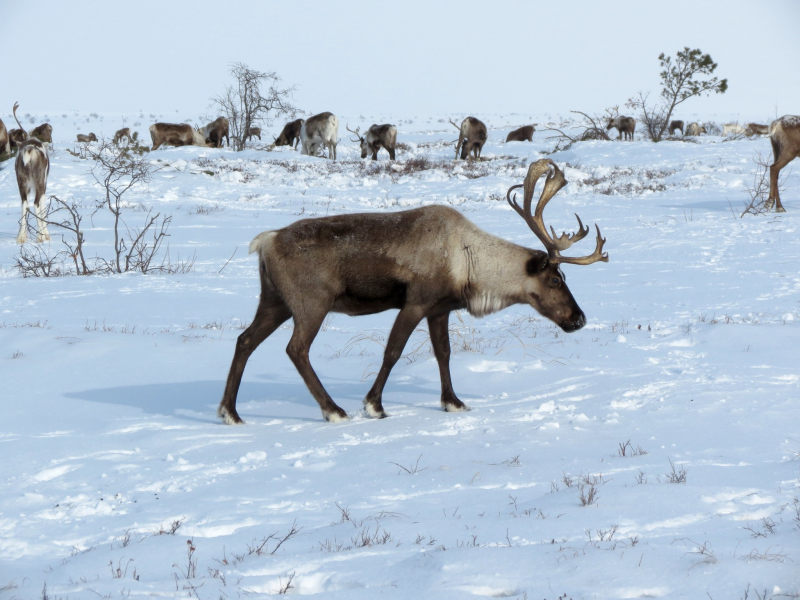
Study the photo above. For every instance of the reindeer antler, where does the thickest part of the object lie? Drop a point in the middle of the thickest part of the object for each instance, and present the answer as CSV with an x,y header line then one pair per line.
x,y
555,244
356,133
16,106
456,125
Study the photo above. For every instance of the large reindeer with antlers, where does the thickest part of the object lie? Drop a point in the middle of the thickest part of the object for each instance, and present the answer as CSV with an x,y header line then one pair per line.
x,y
472,134
426,262
377,137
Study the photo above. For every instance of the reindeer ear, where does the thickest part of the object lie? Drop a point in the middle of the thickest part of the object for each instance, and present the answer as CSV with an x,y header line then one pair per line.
x,y
537,264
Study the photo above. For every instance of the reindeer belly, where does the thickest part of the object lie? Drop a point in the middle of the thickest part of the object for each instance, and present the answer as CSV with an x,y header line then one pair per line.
x,y
371,292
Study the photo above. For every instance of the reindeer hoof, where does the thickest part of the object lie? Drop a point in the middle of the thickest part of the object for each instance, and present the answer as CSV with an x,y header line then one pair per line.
x,y
229,417
455,405
336,416
374,411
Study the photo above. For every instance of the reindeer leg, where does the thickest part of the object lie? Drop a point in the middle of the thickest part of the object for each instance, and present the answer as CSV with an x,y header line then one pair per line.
x,y
41,210
306,325
22,236
440,340
407,320
774,192
270,315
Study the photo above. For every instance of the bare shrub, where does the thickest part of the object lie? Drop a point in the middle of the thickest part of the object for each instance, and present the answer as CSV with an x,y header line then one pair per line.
x,y
367,539
591,129
34,260
626,449
262,546
411,469
703,551
588,494
172,529
675,475
758,191
255,97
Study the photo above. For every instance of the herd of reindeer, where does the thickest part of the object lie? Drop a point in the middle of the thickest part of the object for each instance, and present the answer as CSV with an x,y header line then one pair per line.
x,y
425,262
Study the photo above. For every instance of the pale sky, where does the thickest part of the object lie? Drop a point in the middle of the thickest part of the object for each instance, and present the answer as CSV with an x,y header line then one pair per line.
x,y
400,58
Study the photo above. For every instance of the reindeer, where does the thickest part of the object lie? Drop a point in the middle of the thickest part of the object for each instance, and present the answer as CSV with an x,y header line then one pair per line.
x,y
624,126
125,132
471,137
16,137
87,138
216,130
675,126
695,129
784,134
320,130
43,133
732,128
290,136
176,135
756,129
252,132
32,167
377,137
426,262
523,134
5,140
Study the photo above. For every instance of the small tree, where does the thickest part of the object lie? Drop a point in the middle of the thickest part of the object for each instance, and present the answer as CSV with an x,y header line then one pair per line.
x,y
681,79
255,97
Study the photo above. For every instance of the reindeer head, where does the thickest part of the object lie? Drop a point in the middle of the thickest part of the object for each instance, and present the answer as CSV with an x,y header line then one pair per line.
x,y
360,139
546,288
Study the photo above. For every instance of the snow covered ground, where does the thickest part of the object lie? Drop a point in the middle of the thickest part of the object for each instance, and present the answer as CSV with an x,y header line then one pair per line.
x,y
118,479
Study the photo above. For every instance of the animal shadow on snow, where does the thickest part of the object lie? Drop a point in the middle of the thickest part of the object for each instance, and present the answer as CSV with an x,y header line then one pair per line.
x,y
198,400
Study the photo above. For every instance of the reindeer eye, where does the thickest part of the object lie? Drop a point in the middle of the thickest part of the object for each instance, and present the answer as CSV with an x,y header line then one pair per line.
x,y
555,281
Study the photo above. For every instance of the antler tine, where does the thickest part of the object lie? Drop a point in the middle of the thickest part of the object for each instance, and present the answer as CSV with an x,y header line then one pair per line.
x,y
16,106
356,133
597,256
565,240
456,125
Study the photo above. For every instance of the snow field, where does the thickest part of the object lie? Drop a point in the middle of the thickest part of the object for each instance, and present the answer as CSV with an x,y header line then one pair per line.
x,y
115,458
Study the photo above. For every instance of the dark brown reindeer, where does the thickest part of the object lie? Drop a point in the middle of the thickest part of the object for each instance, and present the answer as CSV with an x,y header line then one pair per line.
x,y
377,137
290,136
472,136
784,133
426,262
523,134
216,130
87,138
32,167
675,126
756,129
43,133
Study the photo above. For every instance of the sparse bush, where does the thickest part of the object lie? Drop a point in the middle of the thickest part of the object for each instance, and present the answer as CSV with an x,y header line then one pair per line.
x,y
680,81
758,190
255,97
675,475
